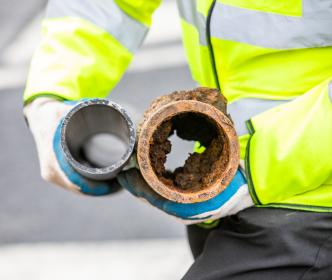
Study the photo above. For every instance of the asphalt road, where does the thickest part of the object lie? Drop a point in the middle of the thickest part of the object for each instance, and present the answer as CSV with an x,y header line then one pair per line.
x,y
32,210
14,14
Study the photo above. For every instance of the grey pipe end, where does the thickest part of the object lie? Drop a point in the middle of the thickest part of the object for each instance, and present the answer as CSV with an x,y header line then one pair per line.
x,y
98,138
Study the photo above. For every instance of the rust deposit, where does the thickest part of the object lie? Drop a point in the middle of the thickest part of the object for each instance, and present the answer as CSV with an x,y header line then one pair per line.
x,y
195,115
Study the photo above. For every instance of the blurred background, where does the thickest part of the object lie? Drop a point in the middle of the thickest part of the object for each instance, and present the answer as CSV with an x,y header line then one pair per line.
x,y
50,233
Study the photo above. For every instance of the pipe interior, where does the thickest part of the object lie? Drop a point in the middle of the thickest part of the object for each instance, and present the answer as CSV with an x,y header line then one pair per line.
x,y
200,170
97,136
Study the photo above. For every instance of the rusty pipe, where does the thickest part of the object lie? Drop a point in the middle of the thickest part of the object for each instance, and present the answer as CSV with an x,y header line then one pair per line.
x,y
197,113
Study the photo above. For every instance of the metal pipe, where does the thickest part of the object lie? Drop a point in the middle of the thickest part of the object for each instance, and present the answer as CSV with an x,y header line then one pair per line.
x,y
199,115
98,138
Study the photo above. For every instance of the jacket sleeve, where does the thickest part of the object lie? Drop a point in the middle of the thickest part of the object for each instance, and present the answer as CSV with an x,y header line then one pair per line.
x,y
289,152
86,46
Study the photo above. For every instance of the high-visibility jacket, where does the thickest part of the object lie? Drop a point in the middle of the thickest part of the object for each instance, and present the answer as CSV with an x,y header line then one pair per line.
x,y
272,59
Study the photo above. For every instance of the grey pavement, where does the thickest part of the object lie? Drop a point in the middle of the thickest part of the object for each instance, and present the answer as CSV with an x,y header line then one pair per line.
x,y
162,259
32,210
14,14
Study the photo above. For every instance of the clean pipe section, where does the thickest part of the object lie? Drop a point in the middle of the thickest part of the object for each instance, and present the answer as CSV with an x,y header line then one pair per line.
x,y
98,138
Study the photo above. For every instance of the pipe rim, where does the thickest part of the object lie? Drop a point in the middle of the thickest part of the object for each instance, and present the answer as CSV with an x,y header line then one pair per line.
x,y
98,171
168,111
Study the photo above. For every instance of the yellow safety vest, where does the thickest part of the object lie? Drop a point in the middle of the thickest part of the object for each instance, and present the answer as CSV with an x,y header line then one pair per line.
x,y
272,59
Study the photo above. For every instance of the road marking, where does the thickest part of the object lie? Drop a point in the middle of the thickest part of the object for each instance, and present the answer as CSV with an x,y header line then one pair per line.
x,y
161,259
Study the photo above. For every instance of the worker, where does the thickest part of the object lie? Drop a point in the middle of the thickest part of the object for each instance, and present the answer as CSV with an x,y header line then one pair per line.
x,y
272,59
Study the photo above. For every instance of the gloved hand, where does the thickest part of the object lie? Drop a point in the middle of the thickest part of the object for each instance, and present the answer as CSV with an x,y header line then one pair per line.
x,y
44,116
233,199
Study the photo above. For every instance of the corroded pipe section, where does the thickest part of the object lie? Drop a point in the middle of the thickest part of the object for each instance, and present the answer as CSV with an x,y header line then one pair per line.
x,y
199,115
98,138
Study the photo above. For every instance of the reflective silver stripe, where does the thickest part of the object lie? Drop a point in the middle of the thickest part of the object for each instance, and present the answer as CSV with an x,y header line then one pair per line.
x,y
313,29
188,12
330,90
246,108
105,14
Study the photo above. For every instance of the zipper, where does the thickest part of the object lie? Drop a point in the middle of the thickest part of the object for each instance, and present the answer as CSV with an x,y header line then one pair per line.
x,y
208,36
250,183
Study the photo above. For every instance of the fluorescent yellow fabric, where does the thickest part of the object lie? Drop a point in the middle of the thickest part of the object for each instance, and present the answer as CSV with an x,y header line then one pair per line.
x,y
317,198
199,57
289,7
75,60
289,156
290,150
80,58
140,10
250,71
329,180
198,148
203,6
243,144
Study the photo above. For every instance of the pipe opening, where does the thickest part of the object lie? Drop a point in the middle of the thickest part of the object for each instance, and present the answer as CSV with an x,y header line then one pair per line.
x,y
97,136
200,170
179,153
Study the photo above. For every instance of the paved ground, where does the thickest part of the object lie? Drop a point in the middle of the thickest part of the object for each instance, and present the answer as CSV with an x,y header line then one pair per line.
x,y
129,260
32,210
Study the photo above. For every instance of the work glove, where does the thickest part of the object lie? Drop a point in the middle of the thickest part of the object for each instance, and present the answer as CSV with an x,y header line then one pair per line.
x,y
233,199
44,117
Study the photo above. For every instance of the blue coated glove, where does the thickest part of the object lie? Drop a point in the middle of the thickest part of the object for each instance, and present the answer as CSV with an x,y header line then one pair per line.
x,y
86,186
233,199
44,116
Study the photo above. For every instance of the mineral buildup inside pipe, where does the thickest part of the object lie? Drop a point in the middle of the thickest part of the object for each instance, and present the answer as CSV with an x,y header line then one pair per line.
x,y
97,138
199,115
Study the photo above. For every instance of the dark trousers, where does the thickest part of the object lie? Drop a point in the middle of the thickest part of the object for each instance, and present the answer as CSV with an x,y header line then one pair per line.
x,y
264,243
